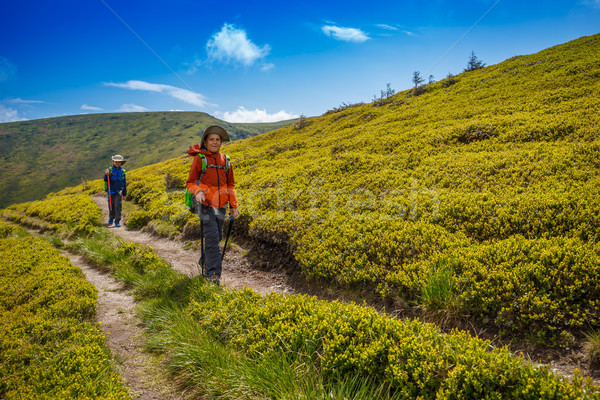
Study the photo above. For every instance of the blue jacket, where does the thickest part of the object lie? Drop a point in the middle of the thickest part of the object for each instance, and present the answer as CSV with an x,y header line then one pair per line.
x,y
118,182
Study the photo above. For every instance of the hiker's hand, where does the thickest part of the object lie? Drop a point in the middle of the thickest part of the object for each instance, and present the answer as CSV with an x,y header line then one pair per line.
x,y
106,171
234,212
200,197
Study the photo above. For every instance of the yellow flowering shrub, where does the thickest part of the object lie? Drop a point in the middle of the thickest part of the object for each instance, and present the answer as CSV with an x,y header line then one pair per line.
x,y
50,347
87,187
366,252
160,190
78,212
5,229
411,358
548,287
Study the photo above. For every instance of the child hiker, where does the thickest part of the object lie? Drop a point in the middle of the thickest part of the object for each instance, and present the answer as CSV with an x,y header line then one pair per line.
x,y
211,184
116,187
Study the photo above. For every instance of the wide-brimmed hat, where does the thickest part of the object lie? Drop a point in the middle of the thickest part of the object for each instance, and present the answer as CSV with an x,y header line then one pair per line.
x,y
119,157
215,129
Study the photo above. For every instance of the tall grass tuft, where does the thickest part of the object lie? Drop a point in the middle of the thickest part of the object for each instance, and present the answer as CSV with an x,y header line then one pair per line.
x,y
214,369
591,347
136,265
99,249
440,292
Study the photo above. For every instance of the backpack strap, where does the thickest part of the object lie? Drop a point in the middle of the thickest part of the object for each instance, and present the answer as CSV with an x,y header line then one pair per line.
x,y
205,166
227,165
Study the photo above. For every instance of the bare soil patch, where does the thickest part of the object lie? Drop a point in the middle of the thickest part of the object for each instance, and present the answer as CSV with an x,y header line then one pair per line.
x,y
144,375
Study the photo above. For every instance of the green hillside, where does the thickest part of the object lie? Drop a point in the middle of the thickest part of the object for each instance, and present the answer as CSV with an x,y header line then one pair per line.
x,y
478,198
46,155
475,203
226,343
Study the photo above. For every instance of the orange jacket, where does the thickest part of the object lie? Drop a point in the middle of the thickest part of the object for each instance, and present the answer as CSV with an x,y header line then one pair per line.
x,y
217,184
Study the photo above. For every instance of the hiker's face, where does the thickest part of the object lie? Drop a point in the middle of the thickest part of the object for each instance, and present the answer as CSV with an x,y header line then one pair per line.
x,y
213,142
117,163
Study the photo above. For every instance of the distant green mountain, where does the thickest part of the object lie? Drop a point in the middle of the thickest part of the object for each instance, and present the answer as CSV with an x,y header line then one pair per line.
x,y
46,155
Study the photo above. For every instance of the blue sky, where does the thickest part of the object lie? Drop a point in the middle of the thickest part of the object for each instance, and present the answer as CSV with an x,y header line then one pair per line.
x,y
254,61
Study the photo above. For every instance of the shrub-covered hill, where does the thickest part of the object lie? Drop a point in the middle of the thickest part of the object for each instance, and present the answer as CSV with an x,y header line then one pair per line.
x,y
51,346
479,198
234,343
46,155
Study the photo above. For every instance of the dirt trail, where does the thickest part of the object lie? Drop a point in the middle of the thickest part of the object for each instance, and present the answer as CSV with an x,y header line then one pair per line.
x,y
237,271
144,375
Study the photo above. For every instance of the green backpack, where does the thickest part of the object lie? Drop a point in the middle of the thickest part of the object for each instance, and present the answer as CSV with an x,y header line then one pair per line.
x,y
189,197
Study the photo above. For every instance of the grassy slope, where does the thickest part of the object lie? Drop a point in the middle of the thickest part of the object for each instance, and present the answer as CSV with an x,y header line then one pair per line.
x,y
236,344
488,187
49,154
514,130
508,153
468,182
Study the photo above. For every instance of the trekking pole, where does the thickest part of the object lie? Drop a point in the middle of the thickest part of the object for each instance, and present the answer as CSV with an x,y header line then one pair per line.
x,y
109,196
227,236
201,261
202,257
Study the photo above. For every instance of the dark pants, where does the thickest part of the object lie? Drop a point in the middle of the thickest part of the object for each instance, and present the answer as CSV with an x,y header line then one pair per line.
x,y
114,212
212,226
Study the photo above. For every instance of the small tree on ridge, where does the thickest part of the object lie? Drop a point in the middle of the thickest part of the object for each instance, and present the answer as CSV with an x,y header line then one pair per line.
x,y
473,63
418,81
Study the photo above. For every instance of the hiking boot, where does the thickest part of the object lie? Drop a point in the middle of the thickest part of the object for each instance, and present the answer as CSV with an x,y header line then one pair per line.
x,y
214,278
117,224
110,221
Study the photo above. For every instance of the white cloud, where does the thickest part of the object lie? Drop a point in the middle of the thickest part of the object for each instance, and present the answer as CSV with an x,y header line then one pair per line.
x,y
193,66
387,27
267,67
19,100
132,108
231,45
91,108
9,114
345,34
243,115
187,96
397,28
